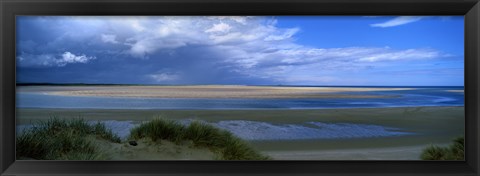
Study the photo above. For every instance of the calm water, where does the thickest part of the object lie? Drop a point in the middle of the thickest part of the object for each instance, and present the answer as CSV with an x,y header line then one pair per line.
x,y
433,96
257,130
254,130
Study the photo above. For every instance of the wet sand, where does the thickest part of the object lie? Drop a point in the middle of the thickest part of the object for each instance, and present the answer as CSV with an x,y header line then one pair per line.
x,y
431,125
386,153
208,91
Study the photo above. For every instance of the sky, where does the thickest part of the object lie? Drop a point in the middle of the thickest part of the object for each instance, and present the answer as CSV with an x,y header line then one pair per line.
x,y
242,50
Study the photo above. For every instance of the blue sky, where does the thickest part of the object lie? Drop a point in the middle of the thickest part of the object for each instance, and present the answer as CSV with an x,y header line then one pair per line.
x,y
287,50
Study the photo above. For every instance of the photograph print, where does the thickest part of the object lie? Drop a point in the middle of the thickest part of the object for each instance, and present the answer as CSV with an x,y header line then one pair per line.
x,y
240,88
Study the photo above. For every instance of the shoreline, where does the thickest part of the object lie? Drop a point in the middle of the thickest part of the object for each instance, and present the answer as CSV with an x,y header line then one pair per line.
x,y
394,153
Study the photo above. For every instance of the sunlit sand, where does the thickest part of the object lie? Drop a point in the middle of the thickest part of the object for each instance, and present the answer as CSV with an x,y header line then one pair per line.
x,y
210,91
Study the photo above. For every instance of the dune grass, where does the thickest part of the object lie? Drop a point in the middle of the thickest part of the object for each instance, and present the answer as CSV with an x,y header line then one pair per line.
x,y
57,139
455,151
201,134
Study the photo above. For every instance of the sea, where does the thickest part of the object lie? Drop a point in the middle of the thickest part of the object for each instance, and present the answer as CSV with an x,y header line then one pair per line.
x,y
418,96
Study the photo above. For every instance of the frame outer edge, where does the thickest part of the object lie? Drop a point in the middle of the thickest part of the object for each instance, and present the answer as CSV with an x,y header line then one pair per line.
x,y
472,85
471,65
2,58
476,9
7,123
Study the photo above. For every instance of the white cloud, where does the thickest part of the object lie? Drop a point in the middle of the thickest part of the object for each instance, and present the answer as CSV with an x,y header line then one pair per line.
x,y
171,32
109,38
285,35
397,21
237,19
51,60
299,55
137,26
401,55
288,64
220,27
162,77
233,38
68,57
142,48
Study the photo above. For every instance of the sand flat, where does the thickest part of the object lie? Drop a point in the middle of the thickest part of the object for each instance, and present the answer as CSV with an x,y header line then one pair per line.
x,y
386,153
457,91
208,91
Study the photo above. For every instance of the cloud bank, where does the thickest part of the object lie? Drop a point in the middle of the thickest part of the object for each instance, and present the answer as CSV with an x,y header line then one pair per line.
x,y
196,50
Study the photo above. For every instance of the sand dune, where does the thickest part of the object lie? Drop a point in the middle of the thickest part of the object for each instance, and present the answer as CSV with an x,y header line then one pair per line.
x,y
162,150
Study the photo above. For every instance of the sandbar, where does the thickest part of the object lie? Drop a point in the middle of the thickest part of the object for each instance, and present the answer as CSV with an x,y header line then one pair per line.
x,y
457,91
209,91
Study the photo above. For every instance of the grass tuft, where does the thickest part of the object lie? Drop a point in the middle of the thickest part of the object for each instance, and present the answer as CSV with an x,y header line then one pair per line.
x,y
158,129
455,151
57,139
202,135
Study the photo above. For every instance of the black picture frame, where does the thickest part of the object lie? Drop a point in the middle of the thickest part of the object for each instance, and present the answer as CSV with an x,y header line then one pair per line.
x,y
11,8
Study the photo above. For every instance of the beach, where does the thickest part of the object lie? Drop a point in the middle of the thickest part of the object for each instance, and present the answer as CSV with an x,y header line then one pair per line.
x,y
428,125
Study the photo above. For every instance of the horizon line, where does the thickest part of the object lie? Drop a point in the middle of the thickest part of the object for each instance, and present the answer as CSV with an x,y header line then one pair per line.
x,y
279,85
